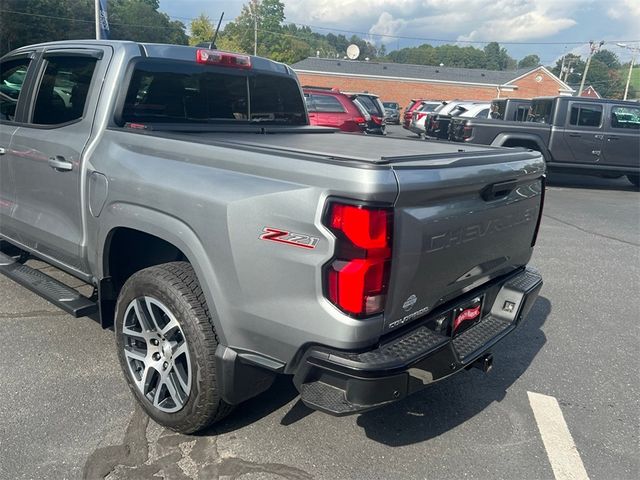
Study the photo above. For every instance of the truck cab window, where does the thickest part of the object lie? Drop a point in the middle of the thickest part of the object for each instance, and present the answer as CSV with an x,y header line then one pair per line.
x,y
63,90
540,111
585,115
12,76
175,92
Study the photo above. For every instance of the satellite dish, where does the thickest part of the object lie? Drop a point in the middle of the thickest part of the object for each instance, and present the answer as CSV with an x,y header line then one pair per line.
x,y
353,51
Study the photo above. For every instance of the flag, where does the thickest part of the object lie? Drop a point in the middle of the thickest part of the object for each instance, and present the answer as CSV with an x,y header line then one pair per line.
x,y
103,22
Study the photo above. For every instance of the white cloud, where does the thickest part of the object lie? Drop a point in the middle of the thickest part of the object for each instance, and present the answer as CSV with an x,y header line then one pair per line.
x,y
507,20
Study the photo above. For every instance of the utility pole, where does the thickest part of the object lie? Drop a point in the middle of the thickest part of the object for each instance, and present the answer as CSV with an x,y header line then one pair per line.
x,y
254,6
635,50
593,48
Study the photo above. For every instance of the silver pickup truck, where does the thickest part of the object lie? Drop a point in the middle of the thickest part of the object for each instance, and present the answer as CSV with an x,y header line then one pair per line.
x,y
226,241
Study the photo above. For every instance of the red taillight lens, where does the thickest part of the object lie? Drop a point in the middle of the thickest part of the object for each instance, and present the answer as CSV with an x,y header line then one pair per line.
x,y
357,279
360,121
376,120
223,59
467,132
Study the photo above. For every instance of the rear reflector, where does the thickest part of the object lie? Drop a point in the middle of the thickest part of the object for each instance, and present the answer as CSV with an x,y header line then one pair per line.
x,y
357,279
223,59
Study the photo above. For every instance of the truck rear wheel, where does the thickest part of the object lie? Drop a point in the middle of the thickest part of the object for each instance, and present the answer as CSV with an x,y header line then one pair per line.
x,y
166,346
635,179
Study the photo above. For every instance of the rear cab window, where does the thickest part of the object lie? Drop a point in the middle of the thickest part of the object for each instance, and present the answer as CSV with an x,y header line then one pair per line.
x,y
13,73
167,91
540,111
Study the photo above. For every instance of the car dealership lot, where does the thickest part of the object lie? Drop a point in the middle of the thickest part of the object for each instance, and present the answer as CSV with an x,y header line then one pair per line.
x,y
65,411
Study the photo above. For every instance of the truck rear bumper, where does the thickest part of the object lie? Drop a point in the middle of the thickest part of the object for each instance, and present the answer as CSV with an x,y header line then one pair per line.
x,y
342,383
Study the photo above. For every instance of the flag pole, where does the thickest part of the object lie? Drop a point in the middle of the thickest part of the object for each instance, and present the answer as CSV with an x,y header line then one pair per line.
x,y
97,4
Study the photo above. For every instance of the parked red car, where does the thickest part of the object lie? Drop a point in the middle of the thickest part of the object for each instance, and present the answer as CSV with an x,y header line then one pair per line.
x,y
330,108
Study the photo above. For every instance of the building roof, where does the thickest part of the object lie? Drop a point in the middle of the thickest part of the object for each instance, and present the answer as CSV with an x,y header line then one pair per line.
x,y
408,71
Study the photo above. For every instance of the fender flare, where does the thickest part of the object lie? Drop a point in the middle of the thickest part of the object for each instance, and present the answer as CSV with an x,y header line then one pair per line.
x,y
505,137
171,230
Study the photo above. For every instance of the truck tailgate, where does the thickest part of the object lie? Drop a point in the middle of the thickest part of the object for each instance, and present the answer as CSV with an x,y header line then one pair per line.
x,y
458,224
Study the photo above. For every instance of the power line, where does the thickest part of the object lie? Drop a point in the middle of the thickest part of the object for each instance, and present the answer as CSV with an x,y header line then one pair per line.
x,y
80,20
330,29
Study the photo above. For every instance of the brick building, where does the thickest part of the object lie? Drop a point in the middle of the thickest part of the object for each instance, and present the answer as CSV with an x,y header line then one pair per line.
x,y
401,82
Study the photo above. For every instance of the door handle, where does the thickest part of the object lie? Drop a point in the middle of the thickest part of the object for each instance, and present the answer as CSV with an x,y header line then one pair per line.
x,y
575,135
612,138
598,137
59,164
2,151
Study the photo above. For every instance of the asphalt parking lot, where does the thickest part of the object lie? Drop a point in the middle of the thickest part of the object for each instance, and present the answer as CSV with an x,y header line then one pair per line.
x,y
65,411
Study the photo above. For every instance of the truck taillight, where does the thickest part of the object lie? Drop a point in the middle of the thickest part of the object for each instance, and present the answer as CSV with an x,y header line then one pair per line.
x,y
357,278
223,59
467,132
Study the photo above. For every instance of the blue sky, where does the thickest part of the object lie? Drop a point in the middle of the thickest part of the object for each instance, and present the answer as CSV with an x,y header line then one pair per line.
x,y
537,22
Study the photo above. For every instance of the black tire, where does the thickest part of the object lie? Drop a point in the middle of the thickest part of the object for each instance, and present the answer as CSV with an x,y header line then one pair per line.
x,y
635,179
175,285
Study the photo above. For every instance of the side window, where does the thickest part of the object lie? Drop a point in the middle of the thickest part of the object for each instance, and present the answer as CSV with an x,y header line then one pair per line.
x,y
63,90
483,113
12,76
586,115
521,114
309,101
328,104
625,117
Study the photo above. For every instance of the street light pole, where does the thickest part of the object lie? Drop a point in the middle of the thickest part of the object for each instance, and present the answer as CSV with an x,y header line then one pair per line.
x,y
633,60
593,48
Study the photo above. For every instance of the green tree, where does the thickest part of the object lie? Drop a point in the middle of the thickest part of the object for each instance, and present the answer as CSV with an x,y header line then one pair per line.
x,y
497,57
202,30
49,20
607,57
530,61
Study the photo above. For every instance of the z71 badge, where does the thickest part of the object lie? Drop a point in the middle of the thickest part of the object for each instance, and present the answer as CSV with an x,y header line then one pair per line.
x,y
289,238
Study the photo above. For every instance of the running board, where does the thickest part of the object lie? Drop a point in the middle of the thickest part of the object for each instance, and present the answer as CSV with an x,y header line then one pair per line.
x,y
61,295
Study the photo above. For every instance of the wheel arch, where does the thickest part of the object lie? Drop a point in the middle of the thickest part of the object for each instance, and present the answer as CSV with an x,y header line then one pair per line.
x,y
149,237
530,141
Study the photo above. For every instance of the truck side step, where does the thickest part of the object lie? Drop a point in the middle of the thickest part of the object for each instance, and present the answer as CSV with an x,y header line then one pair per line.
x,y
61,295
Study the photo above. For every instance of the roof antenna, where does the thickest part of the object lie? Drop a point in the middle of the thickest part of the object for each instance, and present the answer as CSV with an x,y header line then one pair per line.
x,y
212,44
215,35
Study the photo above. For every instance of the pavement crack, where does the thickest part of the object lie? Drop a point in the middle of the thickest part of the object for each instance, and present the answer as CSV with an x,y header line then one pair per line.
x,y
597,234
33,314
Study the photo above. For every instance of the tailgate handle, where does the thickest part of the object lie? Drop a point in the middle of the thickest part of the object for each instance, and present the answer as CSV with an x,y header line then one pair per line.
x,y
498,190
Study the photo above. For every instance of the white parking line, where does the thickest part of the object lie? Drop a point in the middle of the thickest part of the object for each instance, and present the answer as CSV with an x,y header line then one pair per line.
x,y
561,450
